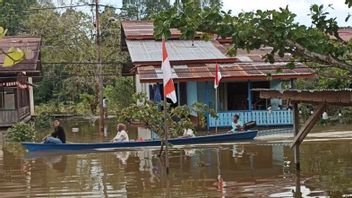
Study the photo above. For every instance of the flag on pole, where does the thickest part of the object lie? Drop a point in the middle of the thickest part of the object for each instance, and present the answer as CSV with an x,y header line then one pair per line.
x,y
217,76
169,88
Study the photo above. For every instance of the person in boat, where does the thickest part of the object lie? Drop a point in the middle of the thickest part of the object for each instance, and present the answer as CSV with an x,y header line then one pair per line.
x,y
56,137
121,135
237,125
188,133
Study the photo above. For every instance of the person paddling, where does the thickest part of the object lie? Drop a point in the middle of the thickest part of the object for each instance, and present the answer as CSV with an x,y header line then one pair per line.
x,y
56,137
121,135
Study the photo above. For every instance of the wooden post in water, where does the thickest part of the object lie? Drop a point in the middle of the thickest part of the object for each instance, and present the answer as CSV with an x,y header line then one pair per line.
x,y
295,131
166,138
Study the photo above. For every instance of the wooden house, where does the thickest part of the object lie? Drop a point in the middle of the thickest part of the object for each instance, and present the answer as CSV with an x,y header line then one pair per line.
x,y
193,64
16,90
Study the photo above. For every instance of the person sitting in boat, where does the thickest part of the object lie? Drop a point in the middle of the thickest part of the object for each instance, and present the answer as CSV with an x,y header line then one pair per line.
x,y
188,133
121,135
56,137
237,125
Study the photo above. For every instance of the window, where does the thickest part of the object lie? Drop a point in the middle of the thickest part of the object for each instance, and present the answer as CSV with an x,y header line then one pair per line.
x,y
7,99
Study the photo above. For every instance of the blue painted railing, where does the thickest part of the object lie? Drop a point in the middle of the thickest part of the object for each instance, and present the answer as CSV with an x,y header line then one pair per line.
x,y
263,118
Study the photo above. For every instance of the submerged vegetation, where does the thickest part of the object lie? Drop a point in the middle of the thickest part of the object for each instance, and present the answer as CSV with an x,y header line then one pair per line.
x,y
21,132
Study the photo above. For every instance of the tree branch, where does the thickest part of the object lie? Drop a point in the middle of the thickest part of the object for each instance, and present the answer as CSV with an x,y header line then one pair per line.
x,y
320,57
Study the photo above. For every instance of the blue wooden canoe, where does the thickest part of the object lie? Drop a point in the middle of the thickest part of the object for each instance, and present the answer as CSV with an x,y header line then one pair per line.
x,y
218,138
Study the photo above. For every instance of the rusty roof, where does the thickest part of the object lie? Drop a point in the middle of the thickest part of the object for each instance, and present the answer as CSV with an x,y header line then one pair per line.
x,y
345,33
232,71
31,63
143,30
329,96
149,51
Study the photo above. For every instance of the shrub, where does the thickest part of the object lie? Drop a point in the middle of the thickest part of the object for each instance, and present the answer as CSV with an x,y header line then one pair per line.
x,y
42,121
21,132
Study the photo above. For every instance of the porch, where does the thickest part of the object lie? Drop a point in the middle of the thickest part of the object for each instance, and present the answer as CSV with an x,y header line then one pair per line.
x,y
9,117
14,104
234,97
262,117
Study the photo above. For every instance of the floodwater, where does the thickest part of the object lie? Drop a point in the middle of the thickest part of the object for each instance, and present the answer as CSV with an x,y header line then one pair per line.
x,y
262,168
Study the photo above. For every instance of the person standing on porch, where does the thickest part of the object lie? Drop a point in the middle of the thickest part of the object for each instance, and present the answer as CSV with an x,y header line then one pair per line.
x,y
105,107
237,125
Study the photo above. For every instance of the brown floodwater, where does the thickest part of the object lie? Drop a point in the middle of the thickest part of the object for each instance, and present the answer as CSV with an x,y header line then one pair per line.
x,y
262,168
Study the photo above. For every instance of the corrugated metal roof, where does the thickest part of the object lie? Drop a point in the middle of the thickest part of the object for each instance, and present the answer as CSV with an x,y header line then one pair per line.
x,y
345,34
178,50
228,72
143,30
329,96
30,64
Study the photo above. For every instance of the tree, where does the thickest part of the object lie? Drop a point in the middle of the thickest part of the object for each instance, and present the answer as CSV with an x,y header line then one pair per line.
x,y
142,9
69,38
12,14
120,93
150,114
318,43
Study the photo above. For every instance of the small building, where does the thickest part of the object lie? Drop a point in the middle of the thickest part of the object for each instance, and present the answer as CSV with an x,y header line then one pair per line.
x,y
16,90
193,64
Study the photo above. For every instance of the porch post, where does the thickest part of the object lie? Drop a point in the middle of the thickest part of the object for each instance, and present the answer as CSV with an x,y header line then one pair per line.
x,y
249,93
178,94
31,98
206,93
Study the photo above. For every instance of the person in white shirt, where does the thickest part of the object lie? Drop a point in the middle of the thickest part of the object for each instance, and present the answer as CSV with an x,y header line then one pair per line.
x,y
188,133
121,135
105,107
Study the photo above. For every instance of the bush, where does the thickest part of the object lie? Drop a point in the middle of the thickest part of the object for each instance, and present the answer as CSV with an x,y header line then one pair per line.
x,y
21,132
42,121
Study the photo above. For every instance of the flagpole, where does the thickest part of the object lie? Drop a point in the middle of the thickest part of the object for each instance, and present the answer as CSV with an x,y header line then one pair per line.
x,y
216,110
166,138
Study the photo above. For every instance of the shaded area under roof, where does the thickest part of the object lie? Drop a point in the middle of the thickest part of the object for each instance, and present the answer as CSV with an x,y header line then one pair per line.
x,y
148,51
31,63
332,97
206,72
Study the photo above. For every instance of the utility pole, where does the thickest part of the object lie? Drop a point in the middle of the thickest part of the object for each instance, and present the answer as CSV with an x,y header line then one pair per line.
x,y
99,67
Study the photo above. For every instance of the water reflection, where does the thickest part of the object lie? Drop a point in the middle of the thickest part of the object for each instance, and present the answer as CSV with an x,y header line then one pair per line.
x,y
243,170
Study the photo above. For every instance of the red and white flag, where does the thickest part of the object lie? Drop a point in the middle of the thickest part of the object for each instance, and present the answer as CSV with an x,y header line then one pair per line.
x,y
169,88
217,76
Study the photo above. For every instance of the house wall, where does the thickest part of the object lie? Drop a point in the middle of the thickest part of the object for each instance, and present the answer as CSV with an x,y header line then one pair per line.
x,y
206,93
142,87
275,85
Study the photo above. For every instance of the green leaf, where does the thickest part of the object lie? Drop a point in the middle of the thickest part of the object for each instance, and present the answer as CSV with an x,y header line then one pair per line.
x,y
2,32
13,56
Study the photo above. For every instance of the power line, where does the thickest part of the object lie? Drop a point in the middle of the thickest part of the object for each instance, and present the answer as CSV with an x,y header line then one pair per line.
x,y
72,6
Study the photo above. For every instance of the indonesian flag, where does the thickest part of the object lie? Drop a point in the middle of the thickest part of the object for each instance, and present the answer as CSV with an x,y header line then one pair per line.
x,y
217,76
169,88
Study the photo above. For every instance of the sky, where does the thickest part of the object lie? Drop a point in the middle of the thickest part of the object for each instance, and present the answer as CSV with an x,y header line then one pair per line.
x,y
300,7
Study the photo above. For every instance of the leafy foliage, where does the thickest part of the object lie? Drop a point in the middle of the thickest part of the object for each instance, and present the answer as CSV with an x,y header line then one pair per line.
x,y
13,13
120,94
21,131
318,43
142,9
42,121
151,115
69,37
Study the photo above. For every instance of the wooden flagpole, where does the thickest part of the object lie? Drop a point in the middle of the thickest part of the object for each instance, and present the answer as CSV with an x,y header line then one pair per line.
x,y
216,109
166,137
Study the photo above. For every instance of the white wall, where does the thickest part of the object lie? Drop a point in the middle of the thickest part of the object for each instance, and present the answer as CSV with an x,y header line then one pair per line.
x,y
142,87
